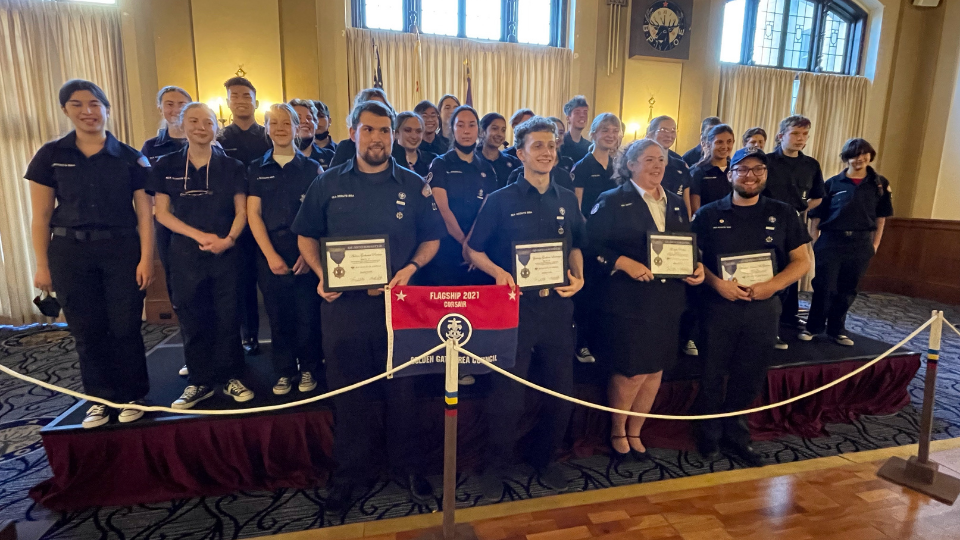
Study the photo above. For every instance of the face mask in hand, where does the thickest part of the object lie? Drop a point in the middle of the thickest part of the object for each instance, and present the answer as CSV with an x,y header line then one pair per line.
x,y
49,305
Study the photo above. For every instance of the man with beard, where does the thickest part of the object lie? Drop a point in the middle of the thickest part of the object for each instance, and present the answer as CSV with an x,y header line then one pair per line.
x,y
369,195
740,318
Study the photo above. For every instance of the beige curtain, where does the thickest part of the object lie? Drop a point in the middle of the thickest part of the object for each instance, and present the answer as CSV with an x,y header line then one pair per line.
x,y
505,76
43,44
835,104
754,97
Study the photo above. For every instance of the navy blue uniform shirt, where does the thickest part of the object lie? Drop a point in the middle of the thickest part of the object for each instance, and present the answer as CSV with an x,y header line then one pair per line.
x,y
467,185
91,193
589,175
574,150
504,166
439,146
520,213
424,159
281,189
693,156
161,145
346,151
332,145
793,180
709,182
676,175
395,203
244,146
205,207
850,207
724,228
559,176
323,156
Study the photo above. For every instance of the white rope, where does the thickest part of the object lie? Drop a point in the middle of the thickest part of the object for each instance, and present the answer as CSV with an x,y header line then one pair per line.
x,y
952,327
156,408
702,416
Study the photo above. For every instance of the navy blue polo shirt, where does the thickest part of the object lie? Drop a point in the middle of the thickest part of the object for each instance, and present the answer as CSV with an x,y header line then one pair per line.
x,y
346,151
281,189
161,145
91,192
676,176
575,151
504,166
847,206
693,156
424,159
561,177
709,182
439,146
520,213
793,180
467,185
245,146
395,204
206,207
332,146
589,175
724,228
323,156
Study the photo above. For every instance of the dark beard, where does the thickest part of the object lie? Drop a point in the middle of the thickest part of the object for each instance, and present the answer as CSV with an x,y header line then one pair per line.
x,y
305,143
745,194
369,158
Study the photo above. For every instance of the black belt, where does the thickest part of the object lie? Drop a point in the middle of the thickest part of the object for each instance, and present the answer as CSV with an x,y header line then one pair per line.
x,y
90,236
848,234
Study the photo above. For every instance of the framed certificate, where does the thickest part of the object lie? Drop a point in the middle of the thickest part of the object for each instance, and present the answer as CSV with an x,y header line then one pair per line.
x,y
540,265
748,269
355,262
672,255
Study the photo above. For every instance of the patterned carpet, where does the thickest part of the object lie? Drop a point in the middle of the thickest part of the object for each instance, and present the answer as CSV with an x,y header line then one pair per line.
x,y
47,351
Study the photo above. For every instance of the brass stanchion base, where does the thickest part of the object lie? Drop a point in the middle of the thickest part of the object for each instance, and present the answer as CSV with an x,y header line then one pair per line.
x,y
922,477
463,531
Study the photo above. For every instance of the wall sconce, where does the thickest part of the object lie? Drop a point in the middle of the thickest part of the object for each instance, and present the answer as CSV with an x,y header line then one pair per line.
x,y
634,128
218,105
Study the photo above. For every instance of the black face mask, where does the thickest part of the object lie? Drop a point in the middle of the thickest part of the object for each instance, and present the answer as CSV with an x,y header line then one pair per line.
x,y
321,136
49,306
469,149
305,143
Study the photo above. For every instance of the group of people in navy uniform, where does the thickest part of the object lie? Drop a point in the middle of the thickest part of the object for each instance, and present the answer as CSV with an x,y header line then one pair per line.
x,y
233,209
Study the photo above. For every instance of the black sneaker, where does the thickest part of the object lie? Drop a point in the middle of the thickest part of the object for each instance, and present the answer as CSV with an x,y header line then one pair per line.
x,y
192,395
339,497
781,345
131,415
746,453
421,491
235,389
97,415
584,356
251,347
552,476
708,450
804,335
491,485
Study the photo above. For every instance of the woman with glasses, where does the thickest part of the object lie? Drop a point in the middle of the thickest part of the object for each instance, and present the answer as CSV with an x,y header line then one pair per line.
x,y
676,175
433,141
201,197
407,136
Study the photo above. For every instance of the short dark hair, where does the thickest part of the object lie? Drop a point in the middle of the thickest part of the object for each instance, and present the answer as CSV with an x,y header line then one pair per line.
x,y
857,147
239,81
714,132
489,118
77,85
796,120
367,94
708,123
322,109
460,109
754,131
446,97
426,105
374,107
536,124
515,119
403,117
574,103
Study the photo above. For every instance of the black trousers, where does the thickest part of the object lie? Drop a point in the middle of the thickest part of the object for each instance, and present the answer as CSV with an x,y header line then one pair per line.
x,y
205,299
841,264
293,306
545,345
96,283
163,236
248,303
738,338
355,348
790,304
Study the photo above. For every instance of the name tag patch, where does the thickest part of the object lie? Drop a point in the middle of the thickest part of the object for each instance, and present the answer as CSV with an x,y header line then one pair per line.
x,y
64,165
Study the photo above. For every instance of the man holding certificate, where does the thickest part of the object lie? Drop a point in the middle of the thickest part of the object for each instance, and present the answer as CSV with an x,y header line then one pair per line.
x,y
529,235
362,225
753,247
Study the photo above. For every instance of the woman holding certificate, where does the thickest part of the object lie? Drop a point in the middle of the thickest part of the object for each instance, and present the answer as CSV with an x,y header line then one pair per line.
x,y
639,233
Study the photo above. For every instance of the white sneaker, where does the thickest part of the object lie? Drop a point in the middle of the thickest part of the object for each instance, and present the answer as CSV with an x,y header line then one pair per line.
x,y
690,349
184,371
235,389
307,382
584,356
841,339
282,387
805,336
191,396
131,415
97,415
466,380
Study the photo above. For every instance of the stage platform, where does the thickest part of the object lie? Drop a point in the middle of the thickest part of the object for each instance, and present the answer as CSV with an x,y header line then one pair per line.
x,y
168,456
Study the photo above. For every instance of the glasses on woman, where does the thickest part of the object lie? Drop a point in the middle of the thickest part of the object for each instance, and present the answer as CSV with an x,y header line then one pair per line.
x,y
667,131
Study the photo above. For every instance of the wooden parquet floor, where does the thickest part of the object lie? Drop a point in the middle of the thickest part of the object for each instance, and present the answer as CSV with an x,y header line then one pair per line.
x,y
837,498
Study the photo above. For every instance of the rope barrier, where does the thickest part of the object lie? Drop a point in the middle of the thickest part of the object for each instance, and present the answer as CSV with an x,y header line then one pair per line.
x,y
702,416
952,327
156,408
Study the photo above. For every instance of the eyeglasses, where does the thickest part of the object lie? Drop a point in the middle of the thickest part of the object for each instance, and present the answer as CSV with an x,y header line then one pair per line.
x,y
667,131
195,192
757,171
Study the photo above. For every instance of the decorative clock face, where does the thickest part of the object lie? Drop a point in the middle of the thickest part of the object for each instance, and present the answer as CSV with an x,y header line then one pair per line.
x,y
664,25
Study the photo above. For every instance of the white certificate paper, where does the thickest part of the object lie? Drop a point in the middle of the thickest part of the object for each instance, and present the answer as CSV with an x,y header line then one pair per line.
x,y
540,265
361,263
747,269
672,255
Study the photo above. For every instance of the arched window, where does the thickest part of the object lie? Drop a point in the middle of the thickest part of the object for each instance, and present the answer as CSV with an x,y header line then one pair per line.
x,y
536,22
807,35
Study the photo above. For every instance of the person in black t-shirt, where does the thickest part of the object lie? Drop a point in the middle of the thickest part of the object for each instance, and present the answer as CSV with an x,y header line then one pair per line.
x,y
433,142
856,204
201,197
493,131
592,174
408,134
94,247
708,178
575,145
307,116
321,136
347,149
695,154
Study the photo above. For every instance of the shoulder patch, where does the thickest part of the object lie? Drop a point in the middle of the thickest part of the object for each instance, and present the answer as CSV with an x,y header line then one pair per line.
x,y
428,178
426,191
144,162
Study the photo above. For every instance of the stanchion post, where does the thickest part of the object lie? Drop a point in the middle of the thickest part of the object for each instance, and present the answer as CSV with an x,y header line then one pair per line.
x,y
919,473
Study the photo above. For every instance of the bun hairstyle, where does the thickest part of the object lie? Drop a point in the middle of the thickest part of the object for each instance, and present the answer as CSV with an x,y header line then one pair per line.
x,y
655,125
711,136
633,151
453,121
403,117
206,108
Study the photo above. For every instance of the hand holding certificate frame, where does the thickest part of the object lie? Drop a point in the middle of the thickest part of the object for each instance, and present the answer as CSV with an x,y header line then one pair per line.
x,y
540,265
748,269
672,255
356,262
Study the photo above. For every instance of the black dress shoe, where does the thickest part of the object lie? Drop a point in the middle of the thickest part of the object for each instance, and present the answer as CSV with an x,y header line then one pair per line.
x,y
251,347
552,476
746,453
709,450
491,485
339,497
617,455
421,491
638,455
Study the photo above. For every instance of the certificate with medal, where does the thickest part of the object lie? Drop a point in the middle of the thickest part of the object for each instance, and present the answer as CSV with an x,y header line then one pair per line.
x,y
672,255
748,269
356,262
540,265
